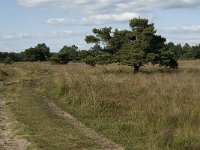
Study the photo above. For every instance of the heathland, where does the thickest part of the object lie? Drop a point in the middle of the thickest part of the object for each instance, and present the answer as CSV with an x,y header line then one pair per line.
x,y
155,109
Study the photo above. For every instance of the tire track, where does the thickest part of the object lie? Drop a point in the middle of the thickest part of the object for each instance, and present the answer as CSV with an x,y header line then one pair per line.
x,y
103,142
8,141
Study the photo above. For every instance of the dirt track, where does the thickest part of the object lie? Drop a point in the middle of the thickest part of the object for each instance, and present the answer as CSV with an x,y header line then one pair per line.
x,y
103,142
8,141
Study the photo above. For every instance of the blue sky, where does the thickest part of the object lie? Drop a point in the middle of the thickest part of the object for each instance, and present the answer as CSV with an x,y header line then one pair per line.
x,y
25,23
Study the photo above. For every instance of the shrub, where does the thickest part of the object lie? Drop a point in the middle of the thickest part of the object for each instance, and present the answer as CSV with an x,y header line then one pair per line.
x,y
8,61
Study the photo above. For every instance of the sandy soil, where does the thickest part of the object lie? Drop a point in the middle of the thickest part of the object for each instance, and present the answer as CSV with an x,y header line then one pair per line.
x,y
8,141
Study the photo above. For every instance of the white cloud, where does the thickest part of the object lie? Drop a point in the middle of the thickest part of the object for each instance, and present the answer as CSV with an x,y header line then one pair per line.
x,y
106,6
109,18
14,36
55,21
191,39
183,29
19,36
55,34
95,19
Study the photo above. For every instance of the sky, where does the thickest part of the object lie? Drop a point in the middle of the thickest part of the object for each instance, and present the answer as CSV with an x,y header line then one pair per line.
x,y
25,23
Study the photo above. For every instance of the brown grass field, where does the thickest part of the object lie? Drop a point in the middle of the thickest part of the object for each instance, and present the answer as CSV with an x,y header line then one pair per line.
x,y
155,109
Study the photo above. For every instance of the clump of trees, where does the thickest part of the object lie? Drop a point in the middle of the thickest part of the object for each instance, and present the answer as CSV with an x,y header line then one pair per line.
x,y
72,53
7,61
66,54
135,47
4,56
39,53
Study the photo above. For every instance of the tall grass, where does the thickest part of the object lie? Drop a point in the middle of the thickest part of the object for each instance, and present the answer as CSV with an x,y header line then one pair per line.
x,y
154,109
30,117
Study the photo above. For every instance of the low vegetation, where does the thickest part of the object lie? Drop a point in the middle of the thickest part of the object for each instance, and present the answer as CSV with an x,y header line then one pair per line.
x,y
157,108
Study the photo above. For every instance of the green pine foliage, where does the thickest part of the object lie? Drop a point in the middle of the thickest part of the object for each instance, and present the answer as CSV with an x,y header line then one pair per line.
x,y
135,48
39,53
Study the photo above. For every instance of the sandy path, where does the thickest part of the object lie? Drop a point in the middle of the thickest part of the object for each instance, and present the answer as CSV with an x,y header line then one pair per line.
x,y
103,142
8,141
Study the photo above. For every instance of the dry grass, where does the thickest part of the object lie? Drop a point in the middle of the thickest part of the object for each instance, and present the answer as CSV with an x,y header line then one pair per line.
x,y
30,117
154,109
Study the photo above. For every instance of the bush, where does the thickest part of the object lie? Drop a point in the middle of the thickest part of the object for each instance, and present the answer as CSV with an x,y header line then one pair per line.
x,y
8,61
91,62
59,58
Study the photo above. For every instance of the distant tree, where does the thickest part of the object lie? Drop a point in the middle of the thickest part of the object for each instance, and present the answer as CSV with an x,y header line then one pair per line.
x,y
71,52
15,57
188,54
8,61
195,50
82,54
66,54
91,61
60,58
33,54
168,58
44,49
176,49
2,57
39,53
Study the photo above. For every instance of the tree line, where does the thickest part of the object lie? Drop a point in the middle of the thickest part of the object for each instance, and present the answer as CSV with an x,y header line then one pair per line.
x,y
135,47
